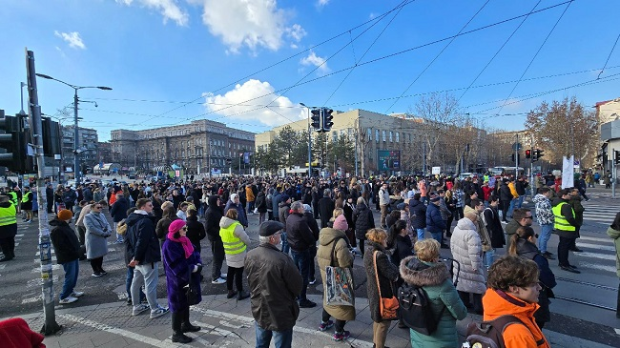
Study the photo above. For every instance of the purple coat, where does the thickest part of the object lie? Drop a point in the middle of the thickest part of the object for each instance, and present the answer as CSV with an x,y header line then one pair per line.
x,y
178,274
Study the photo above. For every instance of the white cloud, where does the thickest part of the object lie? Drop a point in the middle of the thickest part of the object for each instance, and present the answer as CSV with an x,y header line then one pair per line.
x,y
73,39
251,23
322,2
168,8
284,111
317,61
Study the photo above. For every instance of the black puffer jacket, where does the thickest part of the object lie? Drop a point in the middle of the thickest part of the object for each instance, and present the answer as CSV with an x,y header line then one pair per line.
x,y
298,233
261,202
66,244
212,219
142,239
195,232
363,219
418,209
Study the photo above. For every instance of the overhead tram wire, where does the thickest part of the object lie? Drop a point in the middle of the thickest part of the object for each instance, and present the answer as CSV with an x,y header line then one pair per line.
x,y
385,57
362,57
406,2
497,53
400,6
608,56
537,52
437,56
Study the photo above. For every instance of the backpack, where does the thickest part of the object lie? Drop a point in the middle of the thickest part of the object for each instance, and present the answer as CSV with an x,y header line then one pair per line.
x,y
488,334
415,309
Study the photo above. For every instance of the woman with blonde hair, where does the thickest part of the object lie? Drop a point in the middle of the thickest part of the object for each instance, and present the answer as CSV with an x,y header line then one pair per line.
x,y
376,257
432,275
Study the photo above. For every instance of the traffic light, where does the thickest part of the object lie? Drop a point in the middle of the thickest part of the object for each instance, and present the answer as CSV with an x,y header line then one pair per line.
x,y
14,143
51,137
616,157
327,119
538,153
316,119
528,154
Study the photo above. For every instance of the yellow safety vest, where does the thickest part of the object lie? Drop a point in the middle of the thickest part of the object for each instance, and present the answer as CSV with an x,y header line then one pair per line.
x,y
26,197
561,224
232,244
13,198
7,216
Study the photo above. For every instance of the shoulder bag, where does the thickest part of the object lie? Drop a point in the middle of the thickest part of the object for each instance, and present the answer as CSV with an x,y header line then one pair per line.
x,y
338,283
388,307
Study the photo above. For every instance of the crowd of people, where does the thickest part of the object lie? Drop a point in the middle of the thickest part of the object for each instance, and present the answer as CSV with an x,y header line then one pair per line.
x,y
303,222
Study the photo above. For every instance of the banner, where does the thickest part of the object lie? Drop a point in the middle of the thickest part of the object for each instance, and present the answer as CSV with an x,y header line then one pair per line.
x,y
568,179
389,160
246,157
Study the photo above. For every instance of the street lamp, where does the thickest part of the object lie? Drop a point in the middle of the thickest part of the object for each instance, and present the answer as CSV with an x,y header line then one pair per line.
x,y
76,159
309,143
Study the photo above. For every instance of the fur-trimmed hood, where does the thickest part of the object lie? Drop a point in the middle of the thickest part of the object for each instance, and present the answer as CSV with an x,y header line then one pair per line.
x,y
416,272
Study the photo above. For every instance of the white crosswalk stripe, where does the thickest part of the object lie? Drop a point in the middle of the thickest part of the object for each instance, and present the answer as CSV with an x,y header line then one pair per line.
x,y
603,214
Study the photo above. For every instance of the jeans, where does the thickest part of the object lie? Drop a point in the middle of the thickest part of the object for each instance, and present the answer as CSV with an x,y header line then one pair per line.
x,y
72,269
217,247
285,246
251,207
511,207
282,339
545,235
302,260
420,232
488,258
128,280
520,201
145,275
438,236
563,247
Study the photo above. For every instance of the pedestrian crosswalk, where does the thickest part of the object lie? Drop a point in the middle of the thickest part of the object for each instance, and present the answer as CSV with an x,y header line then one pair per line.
x,y
600,213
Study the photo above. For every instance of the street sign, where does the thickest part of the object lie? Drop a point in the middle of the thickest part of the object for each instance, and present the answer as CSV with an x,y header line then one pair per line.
x,y
516,146
436,170
576,162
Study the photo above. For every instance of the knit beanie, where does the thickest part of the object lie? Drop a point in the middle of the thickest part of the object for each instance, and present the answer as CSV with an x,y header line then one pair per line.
x,y
65,215
176,226
341,223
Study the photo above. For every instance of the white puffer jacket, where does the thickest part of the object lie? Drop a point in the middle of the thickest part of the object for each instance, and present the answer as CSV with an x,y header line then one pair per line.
x,y
466,248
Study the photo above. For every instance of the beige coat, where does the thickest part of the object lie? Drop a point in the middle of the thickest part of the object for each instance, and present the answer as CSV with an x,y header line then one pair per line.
x,y
342,258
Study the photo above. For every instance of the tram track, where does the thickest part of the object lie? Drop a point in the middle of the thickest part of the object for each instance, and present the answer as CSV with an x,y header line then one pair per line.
x,y
595,285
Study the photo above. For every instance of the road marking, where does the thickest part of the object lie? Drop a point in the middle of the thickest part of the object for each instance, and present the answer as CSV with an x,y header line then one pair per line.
x,y
39,282
611,269
31,299
120,332
596,239
617,331
2,265
597,256
597,246
19,235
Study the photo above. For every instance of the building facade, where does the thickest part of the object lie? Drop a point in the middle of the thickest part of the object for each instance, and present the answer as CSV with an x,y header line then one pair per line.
x,y
198,147
87,147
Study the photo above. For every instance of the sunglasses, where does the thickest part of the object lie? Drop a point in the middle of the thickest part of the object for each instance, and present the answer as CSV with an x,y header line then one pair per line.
x,y
184,228
98,207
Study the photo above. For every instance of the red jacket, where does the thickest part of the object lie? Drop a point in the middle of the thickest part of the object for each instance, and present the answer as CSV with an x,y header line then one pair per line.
x,y
15,333
486,191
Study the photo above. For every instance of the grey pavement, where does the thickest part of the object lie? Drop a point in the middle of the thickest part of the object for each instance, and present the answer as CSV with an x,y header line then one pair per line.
x,y
226,323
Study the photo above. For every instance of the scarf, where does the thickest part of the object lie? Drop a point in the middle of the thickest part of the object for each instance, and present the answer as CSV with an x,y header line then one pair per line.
x,y
185,242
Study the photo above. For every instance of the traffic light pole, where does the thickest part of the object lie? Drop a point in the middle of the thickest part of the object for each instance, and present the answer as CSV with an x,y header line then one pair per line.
x,y
45,246
309,147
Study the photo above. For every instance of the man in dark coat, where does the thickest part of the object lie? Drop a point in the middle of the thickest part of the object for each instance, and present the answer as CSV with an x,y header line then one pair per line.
x,y
363,221
118,211
490,218
418,209
212,227
434,222
67,248
300,239
274,283
326,207
142,239
8,228
49,194
505,197
283,211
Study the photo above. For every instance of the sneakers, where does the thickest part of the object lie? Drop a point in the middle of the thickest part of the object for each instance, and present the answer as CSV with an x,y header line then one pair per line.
x,y
139,309
341,336
326,326
223,276
68,299
159,312
218,281
96,275
312,281
103,273
307,304
77,294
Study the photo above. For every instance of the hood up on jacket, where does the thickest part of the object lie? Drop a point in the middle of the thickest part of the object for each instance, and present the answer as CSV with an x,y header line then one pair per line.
x,y
213,200
416,272
225,222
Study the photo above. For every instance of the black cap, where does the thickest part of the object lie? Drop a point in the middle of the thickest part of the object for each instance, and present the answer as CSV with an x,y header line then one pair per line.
x,y
269,228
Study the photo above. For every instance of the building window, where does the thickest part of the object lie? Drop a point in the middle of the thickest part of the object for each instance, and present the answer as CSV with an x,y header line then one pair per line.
x,y
377,135
410,138
397,137
369,132
383,135
391,137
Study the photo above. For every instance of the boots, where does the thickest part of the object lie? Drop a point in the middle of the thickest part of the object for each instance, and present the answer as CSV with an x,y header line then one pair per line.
x,y
231,294
242,295
177,334
186,326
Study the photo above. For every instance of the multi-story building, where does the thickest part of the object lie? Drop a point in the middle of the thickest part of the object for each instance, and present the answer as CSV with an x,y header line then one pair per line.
x,y
87,147
608,111
198,147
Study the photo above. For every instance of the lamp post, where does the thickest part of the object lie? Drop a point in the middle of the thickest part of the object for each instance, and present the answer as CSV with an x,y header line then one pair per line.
x,y
309,143
76,100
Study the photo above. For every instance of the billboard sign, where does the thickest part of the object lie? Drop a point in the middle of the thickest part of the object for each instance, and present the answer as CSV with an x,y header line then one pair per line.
x,y
389,160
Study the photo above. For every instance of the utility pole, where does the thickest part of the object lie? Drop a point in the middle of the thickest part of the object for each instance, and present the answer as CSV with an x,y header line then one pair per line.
x,y
357,134
45,246
517,155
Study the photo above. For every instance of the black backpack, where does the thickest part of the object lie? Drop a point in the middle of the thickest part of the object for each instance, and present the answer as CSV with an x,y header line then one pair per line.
x,y
415,309
488,334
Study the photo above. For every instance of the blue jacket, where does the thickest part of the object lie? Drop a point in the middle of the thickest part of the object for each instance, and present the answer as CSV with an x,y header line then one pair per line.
x,y
119,208
434,221
418,209
242,218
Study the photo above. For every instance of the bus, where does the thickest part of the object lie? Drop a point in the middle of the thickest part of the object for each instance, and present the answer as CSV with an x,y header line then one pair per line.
x,y
501,171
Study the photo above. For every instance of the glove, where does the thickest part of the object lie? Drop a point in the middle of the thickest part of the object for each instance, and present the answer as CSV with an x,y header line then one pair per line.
x,y
197,268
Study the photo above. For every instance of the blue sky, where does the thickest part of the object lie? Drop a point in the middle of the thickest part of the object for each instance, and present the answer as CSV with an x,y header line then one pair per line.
x,y
247,63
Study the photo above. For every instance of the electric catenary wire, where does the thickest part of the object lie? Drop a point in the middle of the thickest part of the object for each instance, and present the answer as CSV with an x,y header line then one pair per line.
x,y
437,56
609,56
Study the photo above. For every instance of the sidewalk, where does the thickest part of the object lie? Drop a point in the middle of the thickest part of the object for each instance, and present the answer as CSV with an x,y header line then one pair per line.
x,y
226,323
